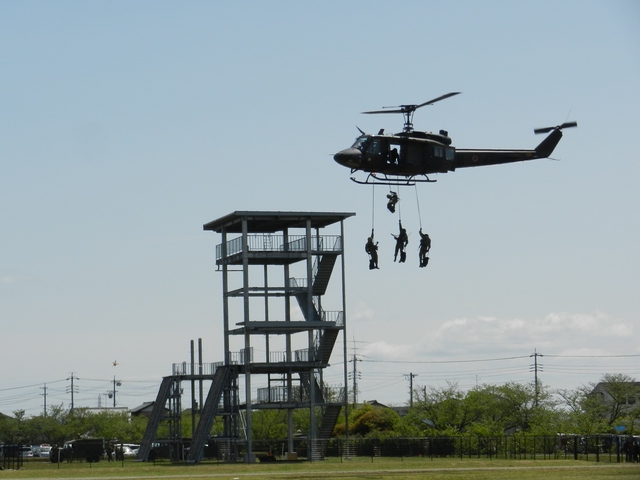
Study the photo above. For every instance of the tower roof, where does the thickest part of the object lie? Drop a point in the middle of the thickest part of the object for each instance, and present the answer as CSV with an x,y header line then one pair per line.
x,y
271,222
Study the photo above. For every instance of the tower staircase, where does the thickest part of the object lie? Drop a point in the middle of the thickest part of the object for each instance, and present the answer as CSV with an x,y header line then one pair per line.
x,y
324,269
305,380
157,414
329,419
208,414
327,342
303,303
328,423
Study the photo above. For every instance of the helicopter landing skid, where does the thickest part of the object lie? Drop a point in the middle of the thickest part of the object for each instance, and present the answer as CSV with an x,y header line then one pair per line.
x,y
394,180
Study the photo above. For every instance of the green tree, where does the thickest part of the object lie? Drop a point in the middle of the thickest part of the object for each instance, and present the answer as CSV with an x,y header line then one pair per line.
x,y
9,429
446,410
517,402
487,410
269,424
376,422
597,407
369,421
620,392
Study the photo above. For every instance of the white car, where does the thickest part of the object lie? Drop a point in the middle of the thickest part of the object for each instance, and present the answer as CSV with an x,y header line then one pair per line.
x,y
44,451
130,449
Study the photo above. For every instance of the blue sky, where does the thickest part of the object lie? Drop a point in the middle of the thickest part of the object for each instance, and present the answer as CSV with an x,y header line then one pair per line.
x,y
127,126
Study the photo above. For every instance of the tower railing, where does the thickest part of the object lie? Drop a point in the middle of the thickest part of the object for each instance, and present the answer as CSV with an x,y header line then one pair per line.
x,y
276,243
276,394
186,368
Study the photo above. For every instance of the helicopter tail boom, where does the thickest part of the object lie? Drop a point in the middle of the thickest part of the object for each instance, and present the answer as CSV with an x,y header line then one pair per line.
x,y
478,158
481,158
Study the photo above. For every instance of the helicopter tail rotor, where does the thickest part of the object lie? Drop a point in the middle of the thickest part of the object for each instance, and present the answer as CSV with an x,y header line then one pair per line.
x,y
546,147
557,127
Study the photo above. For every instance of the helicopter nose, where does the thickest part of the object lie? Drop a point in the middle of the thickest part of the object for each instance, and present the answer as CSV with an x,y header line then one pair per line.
x,y
349,157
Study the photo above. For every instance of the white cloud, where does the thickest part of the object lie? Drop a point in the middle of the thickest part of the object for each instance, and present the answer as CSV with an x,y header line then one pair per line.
x,y
597,324
8,279
388,351
361,312
574,349
468,338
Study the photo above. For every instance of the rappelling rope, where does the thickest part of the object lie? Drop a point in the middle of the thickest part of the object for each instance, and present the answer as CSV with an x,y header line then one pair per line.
x,y
418,203
373,205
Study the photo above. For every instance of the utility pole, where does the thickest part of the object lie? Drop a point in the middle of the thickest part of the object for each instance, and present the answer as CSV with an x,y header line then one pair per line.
x,y
72,389
45,399
116,383
355,375
535,367
410,377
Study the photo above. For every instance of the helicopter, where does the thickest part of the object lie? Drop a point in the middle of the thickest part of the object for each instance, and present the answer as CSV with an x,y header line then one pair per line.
x,y
409,157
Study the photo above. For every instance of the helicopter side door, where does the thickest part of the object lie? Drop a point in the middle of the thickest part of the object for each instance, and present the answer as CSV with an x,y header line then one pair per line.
x,y
413,154
376,153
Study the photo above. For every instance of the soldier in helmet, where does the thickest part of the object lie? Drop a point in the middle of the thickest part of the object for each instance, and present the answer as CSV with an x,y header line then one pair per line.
x,y
402,239
425,246
393,199
372,249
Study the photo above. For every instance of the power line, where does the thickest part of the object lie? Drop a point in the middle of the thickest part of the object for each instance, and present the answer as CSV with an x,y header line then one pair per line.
x,y
592,356
30,386
427,362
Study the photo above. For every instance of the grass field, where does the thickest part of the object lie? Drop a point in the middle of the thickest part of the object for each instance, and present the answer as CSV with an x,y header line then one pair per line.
x,y
359,468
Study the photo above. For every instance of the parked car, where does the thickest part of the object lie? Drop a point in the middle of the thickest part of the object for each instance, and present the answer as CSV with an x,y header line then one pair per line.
x,y
130,449
42,451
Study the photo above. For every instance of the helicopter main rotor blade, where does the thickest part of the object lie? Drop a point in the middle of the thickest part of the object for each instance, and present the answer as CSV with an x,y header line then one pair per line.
x,y
557,127
442,97
387,111
412,108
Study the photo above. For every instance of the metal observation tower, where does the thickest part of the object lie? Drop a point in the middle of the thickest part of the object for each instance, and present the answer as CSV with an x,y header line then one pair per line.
x,y
282,317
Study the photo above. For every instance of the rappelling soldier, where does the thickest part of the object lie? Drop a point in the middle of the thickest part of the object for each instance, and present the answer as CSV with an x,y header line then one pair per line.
x,y
402,239
393,199
425,246
372,249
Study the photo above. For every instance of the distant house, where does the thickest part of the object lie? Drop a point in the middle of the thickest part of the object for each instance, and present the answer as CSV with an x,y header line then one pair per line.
x,y
375,404
144,410
627,395
401,411
106,409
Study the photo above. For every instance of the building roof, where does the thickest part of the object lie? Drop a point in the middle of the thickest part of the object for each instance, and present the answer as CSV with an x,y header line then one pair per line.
x,y
604,387
146,407
271,222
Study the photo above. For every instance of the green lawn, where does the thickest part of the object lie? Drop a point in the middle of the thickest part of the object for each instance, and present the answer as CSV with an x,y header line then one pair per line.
x,y
358,468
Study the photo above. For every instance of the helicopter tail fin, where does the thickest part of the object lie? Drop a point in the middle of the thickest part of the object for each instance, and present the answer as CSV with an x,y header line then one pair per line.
x,y
546,147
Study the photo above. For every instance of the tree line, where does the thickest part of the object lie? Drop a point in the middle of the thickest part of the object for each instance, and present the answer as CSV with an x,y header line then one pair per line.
x,y
487,410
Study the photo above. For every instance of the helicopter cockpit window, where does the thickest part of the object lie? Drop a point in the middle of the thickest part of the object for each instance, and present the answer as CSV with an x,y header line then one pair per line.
x,y
360,143
375,147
